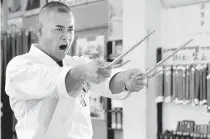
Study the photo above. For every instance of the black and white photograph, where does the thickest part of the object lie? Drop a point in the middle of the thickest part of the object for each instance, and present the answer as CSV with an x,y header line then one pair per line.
x,y
105,69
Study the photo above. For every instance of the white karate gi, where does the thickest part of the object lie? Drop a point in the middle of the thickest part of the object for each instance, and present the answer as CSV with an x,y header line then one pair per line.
x,y
38,96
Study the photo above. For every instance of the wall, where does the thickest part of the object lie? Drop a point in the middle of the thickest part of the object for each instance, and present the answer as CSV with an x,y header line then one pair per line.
x,y
99,129
154,10
142,17
173,113
178,25
92,15
134,108
30,21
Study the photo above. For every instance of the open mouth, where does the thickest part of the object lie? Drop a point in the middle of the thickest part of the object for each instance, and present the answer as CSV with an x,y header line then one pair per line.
x,y
63,47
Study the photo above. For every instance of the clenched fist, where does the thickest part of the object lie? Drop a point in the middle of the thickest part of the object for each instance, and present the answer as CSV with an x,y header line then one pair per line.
x,y
133,82
93,72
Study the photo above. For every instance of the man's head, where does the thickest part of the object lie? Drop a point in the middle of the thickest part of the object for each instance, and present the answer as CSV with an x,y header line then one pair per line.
x,y
55,29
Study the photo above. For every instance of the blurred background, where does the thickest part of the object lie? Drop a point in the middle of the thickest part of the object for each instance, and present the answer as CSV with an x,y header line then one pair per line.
x,y
176,103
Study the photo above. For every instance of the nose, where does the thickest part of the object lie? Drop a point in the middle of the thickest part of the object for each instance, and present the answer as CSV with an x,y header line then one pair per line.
x,y
66,36
63,37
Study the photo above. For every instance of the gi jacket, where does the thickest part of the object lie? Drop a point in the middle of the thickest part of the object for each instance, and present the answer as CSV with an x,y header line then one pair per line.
x,y
35,85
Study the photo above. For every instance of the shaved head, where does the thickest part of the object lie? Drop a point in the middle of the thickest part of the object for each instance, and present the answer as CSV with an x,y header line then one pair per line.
x,y
54,6
55,29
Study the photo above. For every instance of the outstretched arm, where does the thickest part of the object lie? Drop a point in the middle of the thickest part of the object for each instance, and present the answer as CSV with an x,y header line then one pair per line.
x,y
121,84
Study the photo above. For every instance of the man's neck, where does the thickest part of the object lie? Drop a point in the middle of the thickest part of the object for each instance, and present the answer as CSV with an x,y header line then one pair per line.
x,y
40,48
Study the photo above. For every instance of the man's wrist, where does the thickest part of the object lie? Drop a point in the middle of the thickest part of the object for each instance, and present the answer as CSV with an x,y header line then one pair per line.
x,y
125,88
124,79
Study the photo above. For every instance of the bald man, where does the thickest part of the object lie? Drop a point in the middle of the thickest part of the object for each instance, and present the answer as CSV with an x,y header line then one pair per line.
x,y
48,90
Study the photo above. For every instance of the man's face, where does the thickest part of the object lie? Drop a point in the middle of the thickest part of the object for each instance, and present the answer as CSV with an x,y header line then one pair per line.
x,y
57,34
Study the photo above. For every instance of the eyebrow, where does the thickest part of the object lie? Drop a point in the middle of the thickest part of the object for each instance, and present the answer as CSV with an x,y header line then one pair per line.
x,y
60,26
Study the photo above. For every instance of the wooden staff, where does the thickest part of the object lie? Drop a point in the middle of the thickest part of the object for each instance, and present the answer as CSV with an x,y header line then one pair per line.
x,y
197,85
159,81
208,90
192,83
187,84
184,84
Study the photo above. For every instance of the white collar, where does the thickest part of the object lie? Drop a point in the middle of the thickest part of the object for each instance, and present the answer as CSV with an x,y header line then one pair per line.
x,y
36,52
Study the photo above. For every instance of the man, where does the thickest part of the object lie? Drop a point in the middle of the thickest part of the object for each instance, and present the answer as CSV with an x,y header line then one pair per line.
x,y
48,90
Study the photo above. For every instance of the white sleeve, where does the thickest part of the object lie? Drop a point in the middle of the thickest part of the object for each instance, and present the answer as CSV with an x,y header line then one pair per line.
x,y
104,90
35,81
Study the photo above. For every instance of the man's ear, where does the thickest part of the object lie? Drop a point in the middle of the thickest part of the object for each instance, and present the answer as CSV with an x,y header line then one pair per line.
x,y
39,30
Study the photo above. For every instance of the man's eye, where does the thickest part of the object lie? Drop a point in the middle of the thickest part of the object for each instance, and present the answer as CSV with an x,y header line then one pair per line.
x,y
70,29
59,29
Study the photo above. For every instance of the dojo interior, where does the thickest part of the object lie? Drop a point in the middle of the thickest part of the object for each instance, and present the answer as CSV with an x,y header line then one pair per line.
x,y
175,102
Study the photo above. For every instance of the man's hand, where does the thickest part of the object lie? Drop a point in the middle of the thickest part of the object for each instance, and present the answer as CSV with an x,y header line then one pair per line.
x,y
92,72
133,82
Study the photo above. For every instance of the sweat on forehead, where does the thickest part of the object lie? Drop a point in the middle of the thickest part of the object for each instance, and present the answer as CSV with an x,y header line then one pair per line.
x,y
55,6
